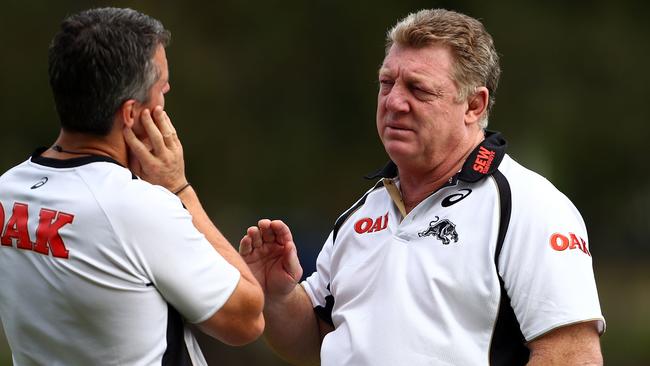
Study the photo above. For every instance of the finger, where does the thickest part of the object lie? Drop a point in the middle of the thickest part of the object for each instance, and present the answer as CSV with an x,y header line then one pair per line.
x,y
291,264
137,147
167,131
176,142
245,245
147,143
265,229
281,231
256,238
162,118
155,137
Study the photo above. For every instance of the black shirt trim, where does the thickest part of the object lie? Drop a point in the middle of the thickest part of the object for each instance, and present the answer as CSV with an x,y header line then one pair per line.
x,y
344,217
507,346
388,171
484,160
481,162
176,353
69,163
325,312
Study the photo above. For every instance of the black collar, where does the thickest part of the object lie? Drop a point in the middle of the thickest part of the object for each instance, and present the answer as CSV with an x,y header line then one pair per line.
x,y
481,162
69,163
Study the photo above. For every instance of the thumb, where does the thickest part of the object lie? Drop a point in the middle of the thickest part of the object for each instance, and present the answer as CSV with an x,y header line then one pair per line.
x,y
291,263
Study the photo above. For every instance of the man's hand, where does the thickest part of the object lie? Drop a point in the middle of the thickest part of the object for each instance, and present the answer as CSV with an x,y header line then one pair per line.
x,y
270,253
292,328
158,158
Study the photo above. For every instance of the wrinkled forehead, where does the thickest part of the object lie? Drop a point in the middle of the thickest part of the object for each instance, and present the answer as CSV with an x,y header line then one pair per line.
x,y
434,59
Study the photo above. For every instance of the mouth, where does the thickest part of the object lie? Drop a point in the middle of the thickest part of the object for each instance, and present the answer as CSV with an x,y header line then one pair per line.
x,y
398,128
394,128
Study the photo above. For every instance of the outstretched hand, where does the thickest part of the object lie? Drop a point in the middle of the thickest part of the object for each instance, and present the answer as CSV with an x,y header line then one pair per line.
x,y
270,253
158,158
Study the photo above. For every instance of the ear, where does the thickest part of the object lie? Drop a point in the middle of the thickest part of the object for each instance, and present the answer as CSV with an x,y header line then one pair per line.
x,y
477,105
129,112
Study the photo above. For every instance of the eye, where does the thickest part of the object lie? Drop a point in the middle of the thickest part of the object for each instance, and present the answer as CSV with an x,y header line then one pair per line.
x,y
385,84
424,93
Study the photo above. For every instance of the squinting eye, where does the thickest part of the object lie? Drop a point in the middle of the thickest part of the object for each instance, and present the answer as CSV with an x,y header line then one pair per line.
x,y
385,85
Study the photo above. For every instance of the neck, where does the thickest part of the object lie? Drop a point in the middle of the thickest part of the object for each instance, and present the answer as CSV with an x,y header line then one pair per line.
x,y
73,145
416,184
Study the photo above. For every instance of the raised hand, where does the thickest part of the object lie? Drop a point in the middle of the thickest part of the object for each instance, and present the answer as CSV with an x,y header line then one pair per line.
x,y
157,158
270,253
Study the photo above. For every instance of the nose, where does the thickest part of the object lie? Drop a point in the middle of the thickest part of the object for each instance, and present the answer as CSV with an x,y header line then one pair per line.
x,y
396,100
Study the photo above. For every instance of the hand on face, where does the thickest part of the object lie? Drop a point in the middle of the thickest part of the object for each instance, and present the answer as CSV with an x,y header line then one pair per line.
x,y
157,156
270,253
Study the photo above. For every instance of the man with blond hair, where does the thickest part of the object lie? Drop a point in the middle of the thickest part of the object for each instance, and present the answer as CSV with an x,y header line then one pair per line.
x,y
458,255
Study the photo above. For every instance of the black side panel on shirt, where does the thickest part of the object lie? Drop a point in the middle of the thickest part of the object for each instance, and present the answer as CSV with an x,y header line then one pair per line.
x,y
507,346
325,313
176,353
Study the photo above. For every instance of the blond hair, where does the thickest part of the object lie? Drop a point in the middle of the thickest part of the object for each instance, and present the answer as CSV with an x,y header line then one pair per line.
x,y
476,60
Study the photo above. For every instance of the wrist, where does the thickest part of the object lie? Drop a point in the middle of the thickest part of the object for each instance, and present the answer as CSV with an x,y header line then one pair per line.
x,y
181,188
279,301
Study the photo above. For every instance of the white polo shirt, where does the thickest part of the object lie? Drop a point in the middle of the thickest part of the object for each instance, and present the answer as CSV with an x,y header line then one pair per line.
x,y
100,268
494,259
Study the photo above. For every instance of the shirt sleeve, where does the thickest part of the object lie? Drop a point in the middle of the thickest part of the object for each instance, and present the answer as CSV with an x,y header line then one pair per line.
x,y
317,285
180,262
546,264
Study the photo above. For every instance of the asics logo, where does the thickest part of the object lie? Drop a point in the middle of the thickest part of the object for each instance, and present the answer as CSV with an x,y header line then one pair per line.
x,y
456,197
40,183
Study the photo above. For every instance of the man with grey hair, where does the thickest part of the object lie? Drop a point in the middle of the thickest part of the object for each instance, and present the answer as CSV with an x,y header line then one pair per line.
x,y
100,267
458,255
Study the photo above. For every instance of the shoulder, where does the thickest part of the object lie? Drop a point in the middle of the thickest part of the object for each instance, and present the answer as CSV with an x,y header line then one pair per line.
x,y
125,197
372,193
13,171
533,193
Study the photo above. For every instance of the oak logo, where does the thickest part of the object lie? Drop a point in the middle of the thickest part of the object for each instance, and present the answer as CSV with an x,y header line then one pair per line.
x,y
368,225
483,160
48,240
561,242
443,230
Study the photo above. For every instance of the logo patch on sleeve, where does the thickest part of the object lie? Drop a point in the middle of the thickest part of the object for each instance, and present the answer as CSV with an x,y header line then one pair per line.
x,y
561,242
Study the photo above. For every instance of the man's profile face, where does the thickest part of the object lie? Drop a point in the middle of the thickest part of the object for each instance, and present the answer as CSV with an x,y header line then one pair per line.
x,y
156,96
418,116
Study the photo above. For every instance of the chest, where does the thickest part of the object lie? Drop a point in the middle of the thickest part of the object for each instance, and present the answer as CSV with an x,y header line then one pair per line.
x,y
443,248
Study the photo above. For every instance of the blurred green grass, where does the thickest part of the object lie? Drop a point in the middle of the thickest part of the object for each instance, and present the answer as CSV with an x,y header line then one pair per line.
x,y
624,289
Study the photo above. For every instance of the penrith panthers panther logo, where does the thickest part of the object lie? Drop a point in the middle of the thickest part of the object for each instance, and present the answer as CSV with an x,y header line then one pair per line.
x,y
443,230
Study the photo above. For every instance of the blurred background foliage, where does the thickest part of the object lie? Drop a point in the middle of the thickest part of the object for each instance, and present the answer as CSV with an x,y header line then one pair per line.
x,y
275,103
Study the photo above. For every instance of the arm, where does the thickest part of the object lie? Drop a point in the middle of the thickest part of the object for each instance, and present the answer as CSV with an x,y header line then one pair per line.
x,y
576,344
239,320
292,328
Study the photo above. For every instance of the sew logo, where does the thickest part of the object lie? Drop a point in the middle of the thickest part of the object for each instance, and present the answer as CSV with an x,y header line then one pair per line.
x,y
368,225
562,242
48,239
483,160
